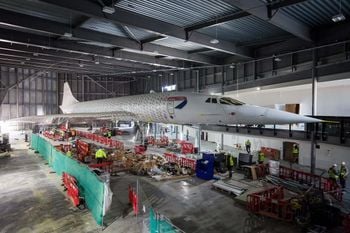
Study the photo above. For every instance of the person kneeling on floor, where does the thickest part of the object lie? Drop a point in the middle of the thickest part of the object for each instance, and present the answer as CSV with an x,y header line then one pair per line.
x,y
100,155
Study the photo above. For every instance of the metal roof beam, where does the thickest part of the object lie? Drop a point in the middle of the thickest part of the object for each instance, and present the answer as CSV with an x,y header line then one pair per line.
x,y
48,66
152,39
201,50
69,56
219,20
276,5
92,9
260,10
25,56
59,29
138,60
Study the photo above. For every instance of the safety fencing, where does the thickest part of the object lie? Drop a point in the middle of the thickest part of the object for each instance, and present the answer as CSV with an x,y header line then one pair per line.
x,y
319,182
181,161
91,187
101,139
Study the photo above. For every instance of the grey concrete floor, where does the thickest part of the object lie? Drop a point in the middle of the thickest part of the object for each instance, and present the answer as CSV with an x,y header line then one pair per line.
x,y
32,199
191,204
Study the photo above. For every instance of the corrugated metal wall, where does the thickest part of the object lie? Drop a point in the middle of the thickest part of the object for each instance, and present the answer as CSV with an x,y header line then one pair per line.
x,y
26,92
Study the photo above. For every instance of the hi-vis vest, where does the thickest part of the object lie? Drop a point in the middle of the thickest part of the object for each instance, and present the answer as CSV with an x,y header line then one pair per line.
x,y
100,154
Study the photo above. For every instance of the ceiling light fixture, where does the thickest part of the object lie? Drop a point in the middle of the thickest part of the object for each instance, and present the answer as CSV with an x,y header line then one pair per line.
x,y
108,10
133,72
35,54
232,66
68,34
340,16
337,18
215,41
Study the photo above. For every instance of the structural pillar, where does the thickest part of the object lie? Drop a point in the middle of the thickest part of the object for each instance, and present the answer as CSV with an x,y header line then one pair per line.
x,y
155,130
222,142
176,132
199,131
313,111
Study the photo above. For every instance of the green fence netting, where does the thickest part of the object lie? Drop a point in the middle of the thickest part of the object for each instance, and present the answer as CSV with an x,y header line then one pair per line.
x,y
34,141
159,224
90,186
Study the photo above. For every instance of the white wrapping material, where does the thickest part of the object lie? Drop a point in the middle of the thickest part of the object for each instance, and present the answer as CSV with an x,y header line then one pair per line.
x,y
107,198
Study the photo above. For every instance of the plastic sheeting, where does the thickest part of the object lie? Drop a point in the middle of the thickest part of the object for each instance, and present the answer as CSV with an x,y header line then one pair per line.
x,y
159,224
90,186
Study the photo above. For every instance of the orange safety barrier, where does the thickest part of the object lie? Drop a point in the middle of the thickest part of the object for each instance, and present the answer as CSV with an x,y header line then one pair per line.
x,y
151,140
187,148
70,183
100,139
186,162
181,161
133,199
271,203
319,182
140,149
106,166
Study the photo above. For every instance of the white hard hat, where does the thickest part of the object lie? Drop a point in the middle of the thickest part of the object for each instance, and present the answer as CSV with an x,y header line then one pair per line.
x,y
334,165
343,163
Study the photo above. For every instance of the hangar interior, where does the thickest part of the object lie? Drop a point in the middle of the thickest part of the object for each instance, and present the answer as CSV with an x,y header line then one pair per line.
x,y
283,55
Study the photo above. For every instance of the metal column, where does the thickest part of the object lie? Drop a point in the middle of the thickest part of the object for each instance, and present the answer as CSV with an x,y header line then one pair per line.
x,y
197,80
314,111
199,138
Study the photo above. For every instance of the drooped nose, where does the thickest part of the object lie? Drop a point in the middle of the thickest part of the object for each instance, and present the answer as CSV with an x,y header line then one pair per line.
x,y
250,114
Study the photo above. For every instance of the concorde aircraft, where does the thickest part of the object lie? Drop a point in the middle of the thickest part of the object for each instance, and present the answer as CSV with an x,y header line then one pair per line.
x,y
172,107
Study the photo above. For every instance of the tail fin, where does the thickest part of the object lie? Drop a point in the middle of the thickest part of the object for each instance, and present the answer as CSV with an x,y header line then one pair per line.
x,y
68,98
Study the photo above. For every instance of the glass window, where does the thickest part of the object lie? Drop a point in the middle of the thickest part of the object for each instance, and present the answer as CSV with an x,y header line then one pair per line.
x,y
214,101
230,101
208,100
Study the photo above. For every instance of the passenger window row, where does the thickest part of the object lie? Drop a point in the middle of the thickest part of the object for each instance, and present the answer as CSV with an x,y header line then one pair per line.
x,y
224,100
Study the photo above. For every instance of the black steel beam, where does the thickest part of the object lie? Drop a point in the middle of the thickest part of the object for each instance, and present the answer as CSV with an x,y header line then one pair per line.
x,y
15,37
284,3
152,39
121,16
219,20
59,29
53,60
199,50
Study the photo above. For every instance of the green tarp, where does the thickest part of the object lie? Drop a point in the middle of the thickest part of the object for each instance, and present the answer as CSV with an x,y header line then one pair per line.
x,y
160,224
90,186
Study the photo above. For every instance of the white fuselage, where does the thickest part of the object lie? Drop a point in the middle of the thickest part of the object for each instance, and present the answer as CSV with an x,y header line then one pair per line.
x,y
187,108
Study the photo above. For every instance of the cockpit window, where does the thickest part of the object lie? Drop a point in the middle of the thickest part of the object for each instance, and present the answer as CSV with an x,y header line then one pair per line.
x,y
214,100
230,101
208,100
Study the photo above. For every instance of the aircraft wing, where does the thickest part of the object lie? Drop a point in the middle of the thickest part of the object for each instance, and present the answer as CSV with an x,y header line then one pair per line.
x,y
61,117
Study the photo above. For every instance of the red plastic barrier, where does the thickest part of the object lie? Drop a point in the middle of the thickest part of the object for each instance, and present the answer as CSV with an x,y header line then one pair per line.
x,y
133,199
186,162
182,161
103,140
322,183
270,203
187,148
70,183
139,149
106,166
